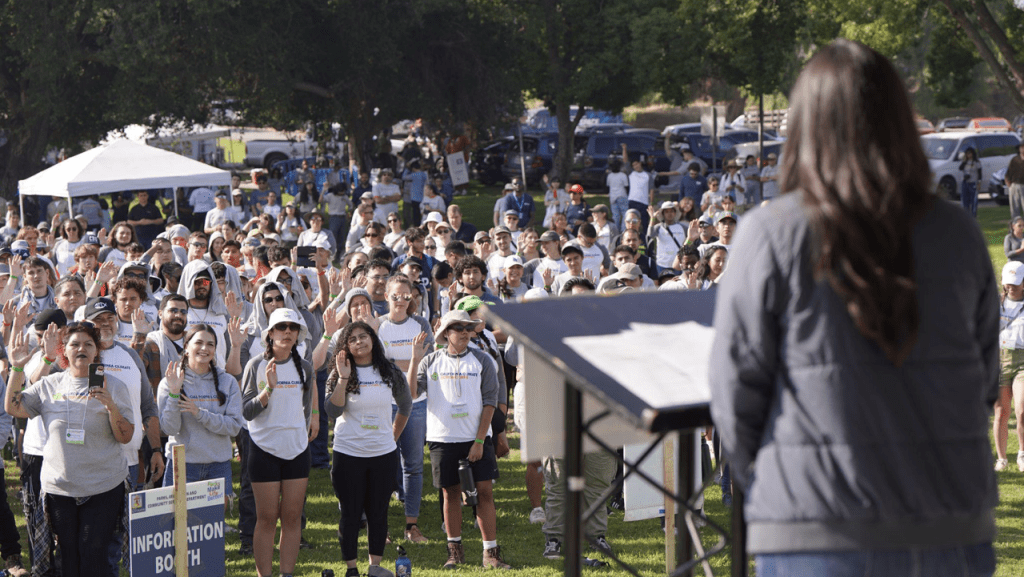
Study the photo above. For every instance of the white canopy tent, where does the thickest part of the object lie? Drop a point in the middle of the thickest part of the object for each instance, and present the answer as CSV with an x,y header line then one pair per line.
x,y
119,166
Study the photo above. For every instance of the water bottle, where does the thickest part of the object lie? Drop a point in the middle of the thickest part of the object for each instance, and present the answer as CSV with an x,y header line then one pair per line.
x,y
468,485
327,573
403,566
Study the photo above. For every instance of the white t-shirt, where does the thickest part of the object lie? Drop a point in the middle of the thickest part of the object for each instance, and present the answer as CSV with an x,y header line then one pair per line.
x,y
381,190
593,258
64,255
1011,324
769,188
120,364
667,247
558,266
618,183
435,204
217,217
397,339
281,428
640,187
364,429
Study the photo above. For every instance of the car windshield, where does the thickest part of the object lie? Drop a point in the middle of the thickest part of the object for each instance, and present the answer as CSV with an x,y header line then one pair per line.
x,y
991,124
938,148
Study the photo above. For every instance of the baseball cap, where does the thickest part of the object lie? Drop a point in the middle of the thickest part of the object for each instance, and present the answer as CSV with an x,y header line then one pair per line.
x,y
237,192
96,306
512,213
1013,272
481,235
576,188
509,186
441,225
628,271
502,230
550,236
221,194
513,260
470,303
366,196
45,318
321,242
91,238
20,248
727,214
414,260
772,155
705,219
5,270
434,217
571,248
252,241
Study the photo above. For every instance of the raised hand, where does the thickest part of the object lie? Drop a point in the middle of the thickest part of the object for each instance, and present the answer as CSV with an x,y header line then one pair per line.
x,y
693,231
419,349
548,275
10,307
102,236
187,405
589,275
236,334
23,315
342,365
16,266
19,352
139,322
175,377
234,305
335,280
333,320
90,277
108,271
492,286
270,374
51,340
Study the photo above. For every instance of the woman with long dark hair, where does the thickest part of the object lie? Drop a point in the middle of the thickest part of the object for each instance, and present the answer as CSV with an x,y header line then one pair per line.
x,y
201,408
278,402
362,384
122,235
856,358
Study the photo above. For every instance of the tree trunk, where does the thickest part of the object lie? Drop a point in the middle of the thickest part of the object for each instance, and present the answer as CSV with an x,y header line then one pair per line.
x,y
22,157
992,29
986,53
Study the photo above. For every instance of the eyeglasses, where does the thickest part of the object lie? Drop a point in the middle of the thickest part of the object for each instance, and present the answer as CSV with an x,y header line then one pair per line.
x,y
378,277
442,231
287,327
201,282
429,247
356,338
484,241
284,279
199,245
396,298
268,300
176,311
392,220
372,235
461,328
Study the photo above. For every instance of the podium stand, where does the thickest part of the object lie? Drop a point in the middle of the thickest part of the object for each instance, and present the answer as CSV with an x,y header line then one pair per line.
x,y
631,367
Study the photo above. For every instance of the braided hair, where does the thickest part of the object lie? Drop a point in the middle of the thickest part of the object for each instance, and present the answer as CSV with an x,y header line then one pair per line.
x,y
268,354
192,332
379,361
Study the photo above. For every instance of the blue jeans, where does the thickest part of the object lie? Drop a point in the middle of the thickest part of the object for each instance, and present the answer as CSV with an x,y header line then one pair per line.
x,y
336,224
410,448
201,472
971,560
619,207
969,197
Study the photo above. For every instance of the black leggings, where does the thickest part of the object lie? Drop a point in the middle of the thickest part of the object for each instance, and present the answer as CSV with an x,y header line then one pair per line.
x,y
363,484
84,531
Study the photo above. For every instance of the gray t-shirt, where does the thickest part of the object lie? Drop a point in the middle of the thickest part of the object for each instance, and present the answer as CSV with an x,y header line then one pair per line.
x,y
96,464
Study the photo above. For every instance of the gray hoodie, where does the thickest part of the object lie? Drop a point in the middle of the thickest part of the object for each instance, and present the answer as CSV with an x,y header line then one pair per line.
x,y
188,277
207,436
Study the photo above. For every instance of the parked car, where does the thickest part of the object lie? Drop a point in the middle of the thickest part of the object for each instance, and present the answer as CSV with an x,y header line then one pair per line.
x,y
997,189
1018,124
925,126
746,149
945,152
488,160
595,151
702,148
989,124
954,123
538,155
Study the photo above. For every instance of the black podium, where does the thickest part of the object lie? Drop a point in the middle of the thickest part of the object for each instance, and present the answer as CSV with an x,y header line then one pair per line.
x,y
634,353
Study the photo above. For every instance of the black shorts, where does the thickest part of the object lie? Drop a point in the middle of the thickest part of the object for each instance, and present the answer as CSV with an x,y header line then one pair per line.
x,y
267,468
445,457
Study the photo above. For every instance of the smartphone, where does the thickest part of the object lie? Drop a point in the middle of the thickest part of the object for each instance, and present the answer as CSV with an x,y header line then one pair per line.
x,y
303,256
96,371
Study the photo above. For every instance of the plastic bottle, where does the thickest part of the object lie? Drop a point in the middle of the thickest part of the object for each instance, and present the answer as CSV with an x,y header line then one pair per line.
x,y
403,566
468,485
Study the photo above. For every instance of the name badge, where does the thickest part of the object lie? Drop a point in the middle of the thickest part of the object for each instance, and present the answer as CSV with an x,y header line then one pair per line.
x,y
371,422
459,410
75,436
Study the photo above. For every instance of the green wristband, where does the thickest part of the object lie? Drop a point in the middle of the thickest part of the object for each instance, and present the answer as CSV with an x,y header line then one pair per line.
x,y
478,441
173,396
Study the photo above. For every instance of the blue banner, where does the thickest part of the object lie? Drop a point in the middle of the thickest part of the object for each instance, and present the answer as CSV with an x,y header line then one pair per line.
x,y
151,521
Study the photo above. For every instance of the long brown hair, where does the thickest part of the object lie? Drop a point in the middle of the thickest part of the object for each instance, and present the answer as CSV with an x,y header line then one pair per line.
x,y
854,153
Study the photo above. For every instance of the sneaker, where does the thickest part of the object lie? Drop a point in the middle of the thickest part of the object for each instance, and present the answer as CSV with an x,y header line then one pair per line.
x,y
13,566
415,535
601,545
456,556
1001,464
537,516
492,559
552,549
245,549
587,561
1020,461
378,571
303,544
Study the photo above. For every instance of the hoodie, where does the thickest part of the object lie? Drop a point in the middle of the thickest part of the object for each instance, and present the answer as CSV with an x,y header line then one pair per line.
x,y
216,313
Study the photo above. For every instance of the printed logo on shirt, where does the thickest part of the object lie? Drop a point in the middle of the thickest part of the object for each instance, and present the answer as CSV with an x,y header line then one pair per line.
x,y
76,396
454,375
117,368
288,384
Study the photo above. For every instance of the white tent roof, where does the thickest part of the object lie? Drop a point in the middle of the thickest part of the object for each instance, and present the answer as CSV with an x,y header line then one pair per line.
x,y
119,166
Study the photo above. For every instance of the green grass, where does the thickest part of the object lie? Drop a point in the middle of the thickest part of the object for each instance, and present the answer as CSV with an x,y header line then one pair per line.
x,y
640,543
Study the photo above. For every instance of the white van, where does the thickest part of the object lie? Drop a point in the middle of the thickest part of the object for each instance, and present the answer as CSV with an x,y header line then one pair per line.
x,y
945,153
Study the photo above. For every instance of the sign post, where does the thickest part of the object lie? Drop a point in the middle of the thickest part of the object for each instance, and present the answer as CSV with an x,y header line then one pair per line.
x,y
178,531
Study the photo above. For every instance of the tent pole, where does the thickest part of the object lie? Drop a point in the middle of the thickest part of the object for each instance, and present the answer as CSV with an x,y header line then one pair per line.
x,y
174,193
21,207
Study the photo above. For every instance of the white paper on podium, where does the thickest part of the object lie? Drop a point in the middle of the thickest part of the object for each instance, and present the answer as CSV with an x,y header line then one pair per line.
x,y
663,365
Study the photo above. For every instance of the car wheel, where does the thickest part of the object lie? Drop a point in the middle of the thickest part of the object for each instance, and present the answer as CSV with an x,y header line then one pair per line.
x,y
947,189
272,158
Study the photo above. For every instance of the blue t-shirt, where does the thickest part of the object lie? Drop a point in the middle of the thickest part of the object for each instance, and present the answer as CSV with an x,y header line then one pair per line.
x,y
693,188
523,205
577,215
416,179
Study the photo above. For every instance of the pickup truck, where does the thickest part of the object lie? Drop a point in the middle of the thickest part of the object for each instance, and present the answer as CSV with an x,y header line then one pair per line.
x,y
265,152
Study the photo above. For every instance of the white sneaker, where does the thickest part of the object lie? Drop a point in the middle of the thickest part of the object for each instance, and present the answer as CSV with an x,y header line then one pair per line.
x,y
537,516
1020,461
1001,464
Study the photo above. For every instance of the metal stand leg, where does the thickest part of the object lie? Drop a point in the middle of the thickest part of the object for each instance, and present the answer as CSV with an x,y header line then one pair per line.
x,y
739,533
573,479
684,480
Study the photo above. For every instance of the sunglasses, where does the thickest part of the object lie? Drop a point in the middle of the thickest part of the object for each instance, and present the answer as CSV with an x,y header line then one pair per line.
x,y
374,235
703,225
442,231
175,311
632,221
85,324
484,241
201,282
429,247
287,327
396,298
392,220
268,300
461,328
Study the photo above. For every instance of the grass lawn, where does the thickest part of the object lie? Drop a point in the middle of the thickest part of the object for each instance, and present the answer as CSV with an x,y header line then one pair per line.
x,y
640,543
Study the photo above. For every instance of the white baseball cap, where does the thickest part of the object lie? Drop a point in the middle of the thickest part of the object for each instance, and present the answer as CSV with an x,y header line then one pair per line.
x,y
513,260
1013,272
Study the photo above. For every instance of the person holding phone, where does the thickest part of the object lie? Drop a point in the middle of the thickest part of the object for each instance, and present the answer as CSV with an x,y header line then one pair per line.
x,y
201,408
84,467
278,403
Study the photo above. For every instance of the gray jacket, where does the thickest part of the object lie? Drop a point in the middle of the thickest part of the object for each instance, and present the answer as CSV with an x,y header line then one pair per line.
x,y
840,449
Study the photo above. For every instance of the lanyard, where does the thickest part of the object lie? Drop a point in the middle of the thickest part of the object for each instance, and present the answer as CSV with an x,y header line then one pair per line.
x,y
67,405
458,374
